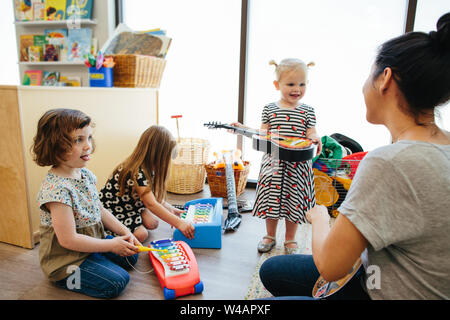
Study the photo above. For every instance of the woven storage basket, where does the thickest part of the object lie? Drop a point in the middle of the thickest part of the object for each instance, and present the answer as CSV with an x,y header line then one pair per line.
x,y
217,180
187,172
137,71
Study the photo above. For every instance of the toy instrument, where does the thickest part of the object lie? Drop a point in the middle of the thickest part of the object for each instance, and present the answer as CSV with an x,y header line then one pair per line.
x,y
234,218
206,216
282,147
176,269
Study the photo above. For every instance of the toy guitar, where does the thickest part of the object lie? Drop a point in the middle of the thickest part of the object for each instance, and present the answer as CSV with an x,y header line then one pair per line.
x,y
233,219
282,147
323,288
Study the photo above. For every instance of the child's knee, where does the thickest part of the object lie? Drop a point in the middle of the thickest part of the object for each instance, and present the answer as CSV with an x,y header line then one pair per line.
x,y
115,287
141,234
151,225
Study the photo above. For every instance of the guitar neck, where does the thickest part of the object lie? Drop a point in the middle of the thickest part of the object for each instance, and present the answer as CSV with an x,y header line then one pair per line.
x,y
244,131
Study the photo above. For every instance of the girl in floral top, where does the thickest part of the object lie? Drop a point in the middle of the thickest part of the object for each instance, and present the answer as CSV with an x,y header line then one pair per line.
x,y
74,252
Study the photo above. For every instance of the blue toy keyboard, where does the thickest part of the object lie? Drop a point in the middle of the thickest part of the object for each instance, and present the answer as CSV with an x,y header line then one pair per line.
x,y
206,216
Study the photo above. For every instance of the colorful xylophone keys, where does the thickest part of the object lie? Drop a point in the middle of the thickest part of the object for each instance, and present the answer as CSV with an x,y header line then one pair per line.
x,y
173,257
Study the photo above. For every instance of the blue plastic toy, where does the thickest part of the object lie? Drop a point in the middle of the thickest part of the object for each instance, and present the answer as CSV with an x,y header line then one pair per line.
x,y
206,216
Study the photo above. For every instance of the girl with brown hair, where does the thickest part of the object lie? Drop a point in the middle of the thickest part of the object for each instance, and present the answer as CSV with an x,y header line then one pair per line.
x,y
136,190
74,251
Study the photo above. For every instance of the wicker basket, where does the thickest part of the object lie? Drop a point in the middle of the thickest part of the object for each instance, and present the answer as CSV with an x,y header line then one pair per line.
x,y
333,178
137,71
217,180
187,172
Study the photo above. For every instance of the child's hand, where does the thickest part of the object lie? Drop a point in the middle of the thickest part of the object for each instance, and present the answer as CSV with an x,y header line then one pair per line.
x,y
133,240
187,229
319,145
122,246
177,212
237,124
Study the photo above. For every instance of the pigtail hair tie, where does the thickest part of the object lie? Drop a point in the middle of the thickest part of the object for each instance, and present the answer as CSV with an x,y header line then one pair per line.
x,y
272,62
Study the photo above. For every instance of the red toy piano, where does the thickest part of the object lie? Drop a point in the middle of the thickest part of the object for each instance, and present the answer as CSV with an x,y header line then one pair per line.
x,y
176,268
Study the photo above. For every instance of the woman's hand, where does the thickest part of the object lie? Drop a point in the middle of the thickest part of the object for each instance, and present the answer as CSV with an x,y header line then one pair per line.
x,y
318,213
124,246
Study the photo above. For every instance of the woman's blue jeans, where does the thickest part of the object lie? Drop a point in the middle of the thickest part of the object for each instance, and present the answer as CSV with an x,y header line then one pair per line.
x,y
294,276
101,275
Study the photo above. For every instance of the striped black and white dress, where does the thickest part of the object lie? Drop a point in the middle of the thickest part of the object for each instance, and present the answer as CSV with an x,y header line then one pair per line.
x,y
286,189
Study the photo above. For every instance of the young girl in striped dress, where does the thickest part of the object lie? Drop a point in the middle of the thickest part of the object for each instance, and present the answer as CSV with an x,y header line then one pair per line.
x,y
285,189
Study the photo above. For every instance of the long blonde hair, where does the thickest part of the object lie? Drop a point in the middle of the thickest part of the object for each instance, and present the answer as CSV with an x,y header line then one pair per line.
x,y
153,155
289,64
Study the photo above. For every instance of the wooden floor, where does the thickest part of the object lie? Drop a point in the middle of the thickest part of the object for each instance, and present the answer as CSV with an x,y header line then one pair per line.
x,y
225,272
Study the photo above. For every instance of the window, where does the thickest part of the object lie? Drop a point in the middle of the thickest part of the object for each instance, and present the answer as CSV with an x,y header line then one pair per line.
x,y
427,14
341,37
9,74
201,79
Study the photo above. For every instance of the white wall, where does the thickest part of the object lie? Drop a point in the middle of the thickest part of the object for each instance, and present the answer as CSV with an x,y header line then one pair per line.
x,y
120,117
9,71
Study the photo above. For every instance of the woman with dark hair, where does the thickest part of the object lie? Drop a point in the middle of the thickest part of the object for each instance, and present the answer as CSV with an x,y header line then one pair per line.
x,y
396,214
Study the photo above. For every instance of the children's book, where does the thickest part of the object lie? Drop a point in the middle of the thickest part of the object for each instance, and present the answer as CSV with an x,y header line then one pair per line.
x,y
25,41
55,9
51,52
23,10
71,81
57,37
50,78
38,11
81,9
79,44
39,40
35,53
32,78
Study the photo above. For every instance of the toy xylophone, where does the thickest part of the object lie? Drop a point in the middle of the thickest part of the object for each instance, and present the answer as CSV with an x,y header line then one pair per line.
x,y
176,268
206,216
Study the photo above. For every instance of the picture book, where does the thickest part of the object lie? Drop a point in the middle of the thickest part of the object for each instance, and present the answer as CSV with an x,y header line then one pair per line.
x,y
57,37
25,41
79,44
39,40
66,81
38,11
50,78
35,53
51,52
81,9
23,10
139,43
32,78
55,9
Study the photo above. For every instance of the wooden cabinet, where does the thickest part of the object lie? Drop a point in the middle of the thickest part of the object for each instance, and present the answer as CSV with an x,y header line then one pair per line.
x,y
120,116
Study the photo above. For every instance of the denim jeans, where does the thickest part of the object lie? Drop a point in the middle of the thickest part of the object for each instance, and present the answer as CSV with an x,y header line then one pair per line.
x,y
294,276
101,275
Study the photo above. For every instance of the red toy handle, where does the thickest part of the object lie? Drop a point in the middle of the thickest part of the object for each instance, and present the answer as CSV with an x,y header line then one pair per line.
x,y
176,116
